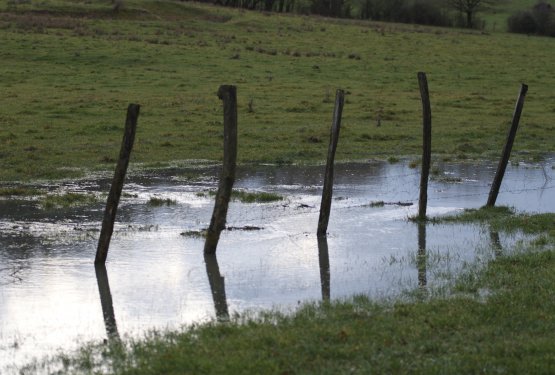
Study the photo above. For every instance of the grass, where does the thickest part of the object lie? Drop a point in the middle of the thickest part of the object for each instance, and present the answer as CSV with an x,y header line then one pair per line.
x,y
499,319
157,202
248,196
19,191
70,68
66,200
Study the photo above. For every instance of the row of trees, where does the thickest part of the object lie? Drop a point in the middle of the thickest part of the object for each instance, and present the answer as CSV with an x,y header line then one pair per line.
x,y
538,20
429,12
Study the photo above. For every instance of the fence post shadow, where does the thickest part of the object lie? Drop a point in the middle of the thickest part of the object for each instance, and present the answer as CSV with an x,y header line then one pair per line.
x,y
106,302
421,256
495,242
324,260
217,287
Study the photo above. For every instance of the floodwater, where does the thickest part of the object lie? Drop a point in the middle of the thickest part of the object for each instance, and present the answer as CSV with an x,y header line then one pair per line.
x,y
52,297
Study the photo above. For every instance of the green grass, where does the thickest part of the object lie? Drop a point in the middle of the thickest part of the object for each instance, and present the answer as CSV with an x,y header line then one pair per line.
x,y
19,191
248,196
66,200
157,202
69,73
498,319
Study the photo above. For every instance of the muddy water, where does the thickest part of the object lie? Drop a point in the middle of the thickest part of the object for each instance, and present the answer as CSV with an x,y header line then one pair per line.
x,y
51,296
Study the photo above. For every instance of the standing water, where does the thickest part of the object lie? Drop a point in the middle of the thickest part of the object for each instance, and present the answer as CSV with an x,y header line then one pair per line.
x,y
51,296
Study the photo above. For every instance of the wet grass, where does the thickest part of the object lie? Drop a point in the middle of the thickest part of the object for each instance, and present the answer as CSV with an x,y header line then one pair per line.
x,y
55,201
158,202
70,69
499,319
20,191
249,196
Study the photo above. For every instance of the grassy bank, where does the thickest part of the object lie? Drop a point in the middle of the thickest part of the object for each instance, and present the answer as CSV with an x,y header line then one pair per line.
x,y
499,319
70,68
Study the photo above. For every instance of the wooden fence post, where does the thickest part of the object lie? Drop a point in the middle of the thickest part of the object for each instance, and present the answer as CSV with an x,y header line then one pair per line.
x,y
426,145
494,191
117,184
228,94
324,260
325,205
106,301
217,286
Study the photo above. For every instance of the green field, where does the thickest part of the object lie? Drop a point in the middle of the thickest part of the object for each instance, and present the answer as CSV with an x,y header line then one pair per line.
x,y
69,69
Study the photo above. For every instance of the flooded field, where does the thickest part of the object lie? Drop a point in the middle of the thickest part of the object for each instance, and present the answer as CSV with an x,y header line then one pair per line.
x,y
156,276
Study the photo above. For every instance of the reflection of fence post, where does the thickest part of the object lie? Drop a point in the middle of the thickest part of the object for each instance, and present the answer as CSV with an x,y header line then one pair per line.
x,y
421,257
495,242
325,205
106,302
228,94
217,286
324,260
117,184
426,145
494,191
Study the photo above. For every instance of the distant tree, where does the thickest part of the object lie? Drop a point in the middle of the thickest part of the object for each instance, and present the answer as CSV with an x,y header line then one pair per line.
x,y
469,8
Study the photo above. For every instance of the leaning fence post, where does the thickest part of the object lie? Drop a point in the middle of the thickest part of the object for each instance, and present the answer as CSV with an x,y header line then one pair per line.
x,y
494,191
325,205
421,257
228,94
117,184
426,145
217,286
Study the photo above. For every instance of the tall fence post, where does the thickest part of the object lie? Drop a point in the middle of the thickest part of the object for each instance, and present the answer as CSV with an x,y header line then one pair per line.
x,y
228,94
426,145
325,205
106,302
494,191
117,184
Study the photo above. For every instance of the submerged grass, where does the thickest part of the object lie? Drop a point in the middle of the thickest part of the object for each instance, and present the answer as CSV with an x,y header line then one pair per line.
x,y
54,201
69,69
500,320
157,202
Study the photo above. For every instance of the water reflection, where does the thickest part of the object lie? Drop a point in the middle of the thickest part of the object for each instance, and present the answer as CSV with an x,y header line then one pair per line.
x,y
495,242
106,302
217,286
324,260
421,256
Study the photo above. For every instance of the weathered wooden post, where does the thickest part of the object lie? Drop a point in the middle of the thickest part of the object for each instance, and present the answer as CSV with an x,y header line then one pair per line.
x,y
106,302
217,286
494,191
495,243
421,257
117,184
426,145
325,205
324,260
228,94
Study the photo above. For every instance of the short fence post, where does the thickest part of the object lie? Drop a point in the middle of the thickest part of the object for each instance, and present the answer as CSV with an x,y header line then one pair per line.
x,y
228,94
117,184
494,191
106,301
217,286
325,205
324,260
426,145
